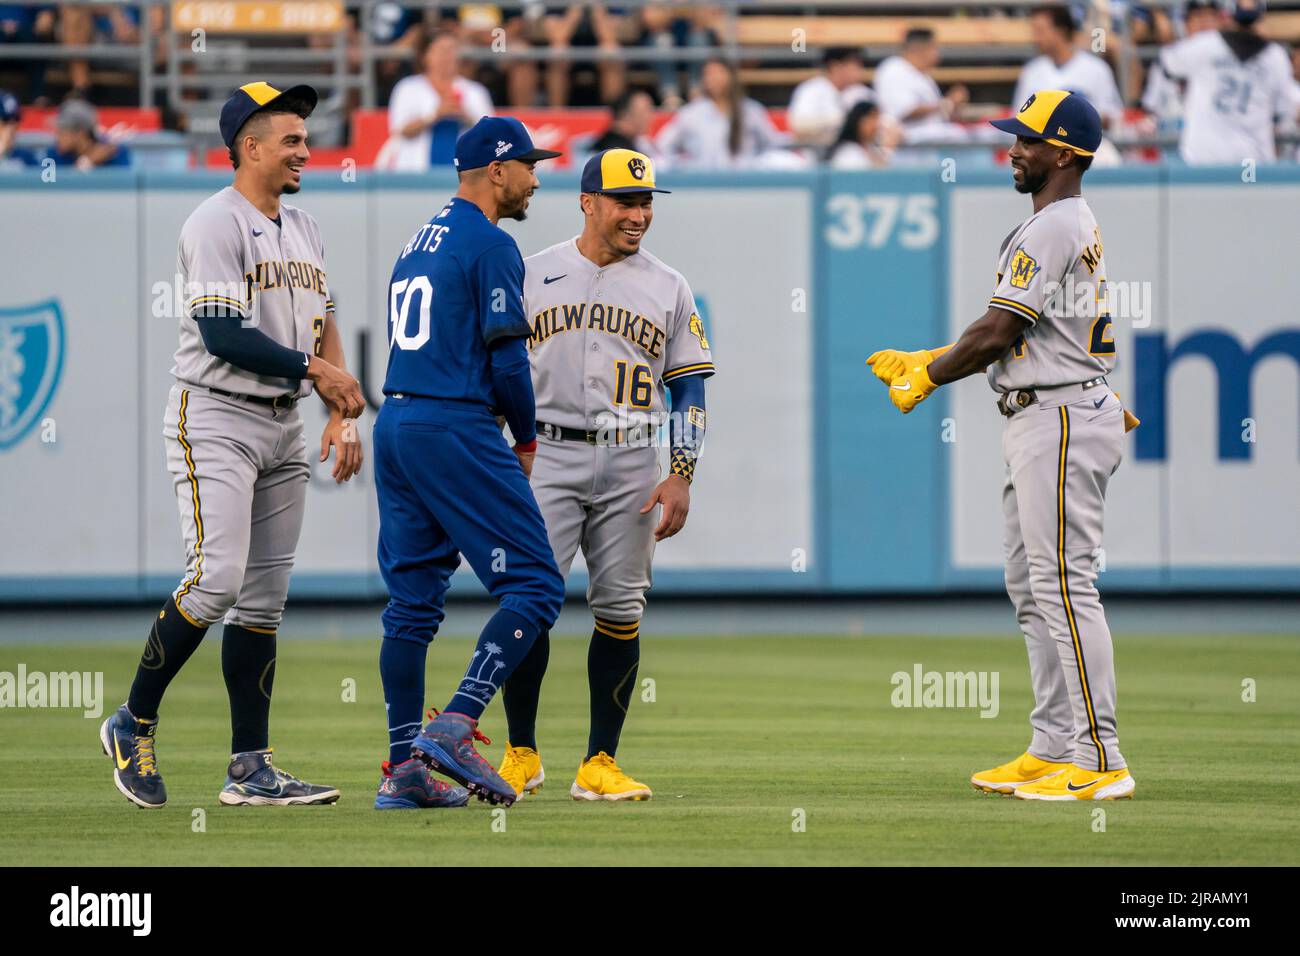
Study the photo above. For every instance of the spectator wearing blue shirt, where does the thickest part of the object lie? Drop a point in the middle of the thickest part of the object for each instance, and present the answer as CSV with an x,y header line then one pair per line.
x,y
77,142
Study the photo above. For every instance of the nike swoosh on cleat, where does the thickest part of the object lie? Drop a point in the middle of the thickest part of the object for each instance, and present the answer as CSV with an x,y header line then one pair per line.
x,y
117,747
1073,789
549,279
906,386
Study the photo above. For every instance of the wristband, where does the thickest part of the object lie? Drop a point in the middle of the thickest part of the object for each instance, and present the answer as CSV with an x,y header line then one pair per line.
x,y
527,448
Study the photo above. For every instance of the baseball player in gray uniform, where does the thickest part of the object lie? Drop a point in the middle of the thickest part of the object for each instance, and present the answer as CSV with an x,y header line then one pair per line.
x,y
612,327
1048,344
257,333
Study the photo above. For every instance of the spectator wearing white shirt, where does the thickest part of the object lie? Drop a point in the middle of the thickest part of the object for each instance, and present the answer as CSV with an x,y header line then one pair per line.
x,y
1163,97
906,91
1239,85
1061,65
820,103
864,142
429,110
721,128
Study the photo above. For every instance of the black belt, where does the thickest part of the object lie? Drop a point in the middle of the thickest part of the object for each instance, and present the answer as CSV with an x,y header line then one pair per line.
x,y
1017,399
605,436
278,402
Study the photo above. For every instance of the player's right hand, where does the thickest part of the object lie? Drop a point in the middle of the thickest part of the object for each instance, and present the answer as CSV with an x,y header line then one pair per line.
x,y
338,389
526,457
888,364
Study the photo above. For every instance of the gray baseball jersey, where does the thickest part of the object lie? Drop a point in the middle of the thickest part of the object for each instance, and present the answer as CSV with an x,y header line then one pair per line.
x,y
607,339
1051,272
272,275
1060,453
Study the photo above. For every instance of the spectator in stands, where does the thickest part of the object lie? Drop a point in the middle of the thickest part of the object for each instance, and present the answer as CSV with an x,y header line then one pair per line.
x,y
1061,65
665,26
1163,98
629,128
864,142
429,110
25,23
721,128
820,103
77,142
11,157
1239,87
84,25
582,25
906,90
396,28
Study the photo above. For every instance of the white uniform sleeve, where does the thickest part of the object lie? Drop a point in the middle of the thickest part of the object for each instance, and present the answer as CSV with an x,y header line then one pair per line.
x,y
1043,254
688,350
212,253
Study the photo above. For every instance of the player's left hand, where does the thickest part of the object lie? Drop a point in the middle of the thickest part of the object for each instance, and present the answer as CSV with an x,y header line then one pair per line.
x,y
342,434
674,493
888,364
910,389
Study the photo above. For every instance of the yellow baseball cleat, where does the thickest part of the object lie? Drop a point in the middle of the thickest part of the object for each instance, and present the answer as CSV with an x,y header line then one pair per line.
x,y
1009,777
522,769
600,779
1079,784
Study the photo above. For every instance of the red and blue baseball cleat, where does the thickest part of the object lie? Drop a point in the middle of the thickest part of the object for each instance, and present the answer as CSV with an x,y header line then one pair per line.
x,y
447,745
410,786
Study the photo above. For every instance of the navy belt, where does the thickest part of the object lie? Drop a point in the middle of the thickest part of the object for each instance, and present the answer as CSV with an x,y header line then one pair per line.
x,y
639,434
277,402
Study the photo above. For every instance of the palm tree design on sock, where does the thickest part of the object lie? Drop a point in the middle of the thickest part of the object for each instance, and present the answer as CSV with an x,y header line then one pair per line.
x,y
480,683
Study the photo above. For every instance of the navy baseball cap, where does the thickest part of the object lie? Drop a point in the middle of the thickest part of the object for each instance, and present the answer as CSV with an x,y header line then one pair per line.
x,y
497,139
250,98
1059,117
10,111
1247,12
619,171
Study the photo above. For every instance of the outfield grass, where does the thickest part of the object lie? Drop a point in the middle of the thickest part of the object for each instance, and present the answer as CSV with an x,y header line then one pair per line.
x,y
742,733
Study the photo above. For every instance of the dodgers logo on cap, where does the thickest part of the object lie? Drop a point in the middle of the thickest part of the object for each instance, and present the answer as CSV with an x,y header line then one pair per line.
x,y
497,139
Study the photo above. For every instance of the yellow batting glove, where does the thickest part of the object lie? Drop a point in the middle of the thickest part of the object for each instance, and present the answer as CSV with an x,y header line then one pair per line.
x,y
911,388
888,364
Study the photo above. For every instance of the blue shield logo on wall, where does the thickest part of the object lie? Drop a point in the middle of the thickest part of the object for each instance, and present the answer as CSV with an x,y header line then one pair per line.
x,y
31,361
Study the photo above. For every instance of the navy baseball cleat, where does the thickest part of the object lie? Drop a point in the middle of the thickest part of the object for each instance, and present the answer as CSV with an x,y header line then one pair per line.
x,y
253,781
130,744
447,745
410,786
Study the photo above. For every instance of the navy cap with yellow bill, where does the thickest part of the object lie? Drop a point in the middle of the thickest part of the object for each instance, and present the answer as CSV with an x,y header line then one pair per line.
x,y
619,171
1058,117
250,98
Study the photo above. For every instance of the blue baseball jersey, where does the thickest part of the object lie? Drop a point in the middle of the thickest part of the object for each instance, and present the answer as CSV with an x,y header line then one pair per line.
x,y
456,288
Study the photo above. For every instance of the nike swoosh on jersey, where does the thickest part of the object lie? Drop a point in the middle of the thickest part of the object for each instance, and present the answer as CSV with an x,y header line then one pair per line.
x,y
1098,403
549,279
256,233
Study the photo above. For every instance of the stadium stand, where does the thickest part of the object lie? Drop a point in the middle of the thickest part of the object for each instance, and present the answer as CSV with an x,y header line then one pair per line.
x,y
169,63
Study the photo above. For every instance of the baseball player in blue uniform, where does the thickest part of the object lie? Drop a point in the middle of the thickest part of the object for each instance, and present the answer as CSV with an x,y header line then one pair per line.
x,y
448,482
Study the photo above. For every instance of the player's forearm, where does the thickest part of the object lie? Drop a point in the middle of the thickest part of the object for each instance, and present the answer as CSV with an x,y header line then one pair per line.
x,y
985,341
512,388
686,425
250,348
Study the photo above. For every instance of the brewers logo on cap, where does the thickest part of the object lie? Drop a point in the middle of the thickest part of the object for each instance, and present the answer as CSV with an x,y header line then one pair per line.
x,y
619,171
1058,117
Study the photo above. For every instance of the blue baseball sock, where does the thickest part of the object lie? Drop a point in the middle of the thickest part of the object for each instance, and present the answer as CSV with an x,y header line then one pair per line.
x,y
401,668
506,640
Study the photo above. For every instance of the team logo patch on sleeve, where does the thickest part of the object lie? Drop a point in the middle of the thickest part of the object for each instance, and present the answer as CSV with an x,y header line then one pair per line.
x,y
1023,269
697,330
